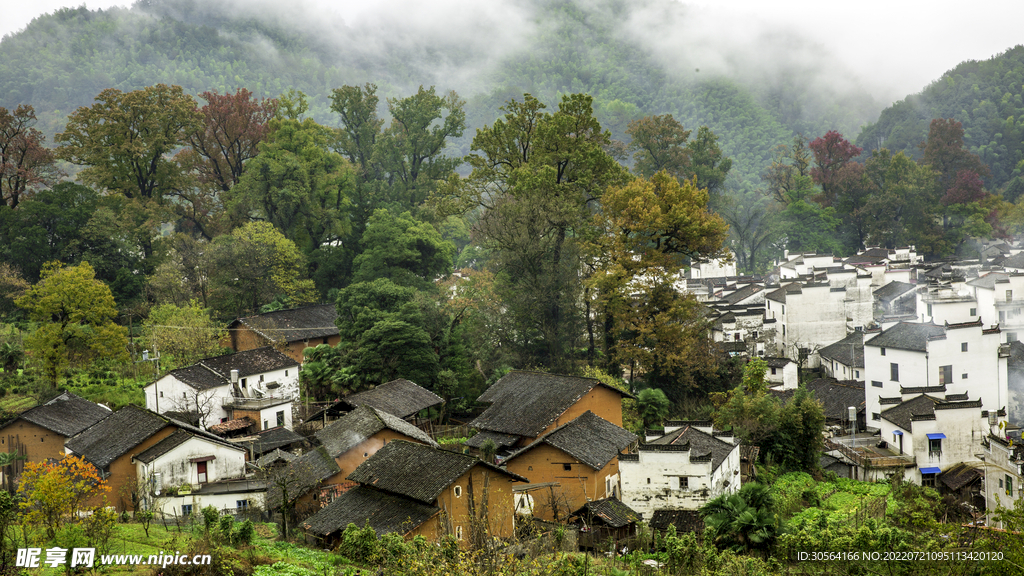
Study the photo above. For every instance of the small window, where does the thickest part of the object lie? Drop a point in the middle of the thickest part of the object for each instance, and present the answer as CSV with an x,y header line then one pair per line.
x,y
753,334
566,466
928,480
184,394
325,341
266,425
280,417
935,446
223,420
963,346
876,416
974,312
929,309
883,351
286,373
856,373
261,377
366,454
161,393
458,491
773,372
458,532
876,383
1000,482
894,372
186,509
42,438
648,480
684,483
1009,295
963,376
243,382
1009,485
945,375
242,504
529,468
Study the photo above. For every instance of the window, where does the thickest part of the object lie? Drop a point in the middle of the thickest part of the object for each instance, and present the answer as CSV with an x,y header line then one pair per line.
x,y
266,425
186,509
736,337
201,472
945,375
963,346
929,309
223,420
1002,316
161,393
458,491
928,480
684,483
963,376
280,417
325,341
567,467
935,447
286,373
242,381
753,334
458,532
184,394
648,480
856,373
974,312
1009,485
876,383
876,416
883,351
773,371
242,504
1009,295
261,377
894,372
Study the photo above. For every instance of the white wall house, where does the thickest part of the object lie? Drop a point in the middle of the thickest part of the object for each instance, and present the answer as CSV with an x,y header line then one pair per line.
x,y
783,373
844,360
810,316
262,381
945,361
1004,473
1000,300
714,268
681,470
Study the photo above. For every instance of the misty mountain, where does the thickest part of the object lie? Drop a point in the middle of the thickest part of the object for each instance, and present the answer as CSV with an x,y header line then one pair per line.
x,y
984,96
635,58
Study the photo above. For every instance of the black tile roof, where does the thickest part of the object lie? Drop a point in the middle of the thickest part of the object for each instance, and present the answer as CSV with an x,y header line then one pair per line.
x,y
500,440
608,511
417,471
272,439
108,439
684,521
903,413
743,293
701,444
837,396
773,362
164,446
355,427
959,475
848,351
276,455
300,476
401,397
525,403
906,336
294,325
989,280
589,438
215,372
364,506
894,289
1015,261
66,414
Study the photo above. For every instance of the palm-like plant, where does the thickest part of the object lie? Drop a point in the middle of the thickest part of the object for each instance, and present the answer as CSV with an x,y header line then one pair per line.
x,y
10,356
741,522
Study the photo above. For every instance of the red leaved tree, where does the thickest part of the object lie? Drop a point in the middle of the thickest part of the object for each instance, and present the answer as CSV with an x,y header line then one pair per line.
x,y
24,161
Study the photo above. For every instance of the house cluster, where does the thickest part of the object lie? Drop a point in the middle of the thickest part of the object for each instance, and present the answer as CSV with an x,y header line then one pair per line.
x,y
923,370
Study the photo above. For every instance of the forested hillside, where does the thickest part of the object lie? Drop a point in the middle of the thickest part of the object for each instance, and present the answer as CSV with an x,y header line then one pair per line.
x,y
544,47
985,97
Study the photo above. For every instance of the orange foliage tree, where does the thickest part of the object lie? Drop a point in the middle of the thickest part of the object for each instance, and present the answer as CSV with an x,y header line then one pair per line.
x,y
54,491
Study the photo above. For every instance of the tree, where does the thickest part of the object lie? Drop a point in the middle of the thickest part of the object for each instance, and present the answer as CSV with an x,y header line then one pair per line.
x,y
76,312
902,206
25,163
744,521
254,264
408,251
833,168
659,143
233,127
945,152
653,406
125,140
53,492
707,164
185,332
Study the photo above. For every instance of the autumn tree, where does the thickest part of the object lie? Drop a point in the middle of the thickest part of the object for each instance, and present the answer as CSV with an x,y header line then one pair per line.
x,y
233,127
658,143
834,168
25,162
126,139
945,152
53,492
652,228
76,314
186,332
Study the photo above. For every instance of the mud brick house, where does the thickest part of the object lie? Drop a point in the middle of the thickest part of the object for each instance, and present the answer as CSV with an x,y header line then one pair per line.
x,y
413,489
349,441
603,521
39,433
525,405
573,464
292,331
402,398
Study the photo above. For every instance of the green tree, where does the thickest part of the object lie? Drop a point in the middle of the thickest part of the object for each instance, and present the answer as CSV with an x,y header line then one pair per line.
x,y
707,163
744,521
408,251
185,332
653,406
76,314
659,143
903,205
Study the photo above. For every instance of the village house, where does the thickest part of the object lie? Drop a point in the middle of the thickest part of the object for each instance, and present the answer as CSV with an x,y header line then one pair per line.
x,y
810,316
837,397
682,469
783,373
1003,469
525,405
896,299
844,360
999,300
187,471
292,330
259,384
575,463
38,434
267,441
401,397
417,490
604,521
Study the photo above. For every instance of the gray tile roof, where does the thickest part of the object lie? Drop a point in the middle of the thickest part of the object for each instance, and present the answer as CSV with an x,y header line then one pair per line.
x,y
525,403
837,396
906,336
269,440
743,293
903,413
401,397
164,446
66,414
989,280
362,506
848,351
108,439
215,372
417,471
294,325
355,427
701,444
589,438
894,289
1015,261
608,511
300,476
275,456
500,440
